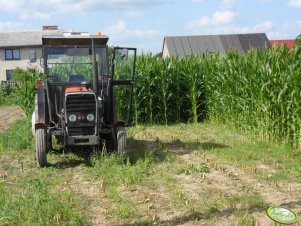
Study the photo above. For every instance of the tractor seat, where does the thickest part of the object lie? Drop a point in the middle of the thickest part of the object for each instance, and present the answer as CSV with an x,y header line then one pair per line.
x,y
56,78
76,78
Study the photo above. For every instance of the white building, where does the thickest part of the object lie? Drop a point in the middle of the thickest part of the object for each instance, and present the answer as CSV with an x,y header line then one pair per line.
x,y
17,47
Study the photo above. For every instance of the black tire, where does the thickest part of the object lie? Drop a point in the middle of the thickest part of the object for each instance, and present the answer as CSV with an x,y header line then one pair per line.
x,y
121,139
41,147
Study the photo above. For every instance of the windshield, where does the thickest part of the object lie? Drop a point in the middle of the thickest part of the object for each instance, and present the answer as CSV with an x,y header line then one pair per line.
x,y
74,64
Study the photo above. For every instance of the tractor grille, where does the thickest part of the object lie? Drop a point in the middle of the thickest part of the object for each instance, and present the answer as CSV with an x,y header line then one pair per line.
x,y
80,105
83,131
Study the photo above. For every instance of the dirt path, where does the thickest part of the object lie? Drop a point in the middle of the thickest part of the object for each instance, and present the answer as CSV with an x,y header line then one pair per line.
x,y
8,115
236,180
91,191
280,193
223,181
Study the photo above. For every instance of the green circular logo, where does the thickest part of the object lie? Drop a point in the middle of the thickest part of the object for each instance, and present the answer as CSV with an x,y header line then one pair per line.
x,y
282,215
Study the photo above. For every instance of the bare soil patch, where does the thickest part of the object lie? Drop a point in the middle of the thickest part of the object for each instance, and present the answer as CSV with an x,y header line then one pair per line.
x,y
93,192
8,115
221,182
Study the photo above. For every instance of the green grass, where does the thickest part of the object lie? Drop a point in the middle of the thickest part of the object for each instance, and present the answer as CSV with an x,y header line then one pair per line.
x,y
17,137
116,169
166,171
192,169
260,158
29,195
30,202
209,203
251,151
7,96
121,170
122,208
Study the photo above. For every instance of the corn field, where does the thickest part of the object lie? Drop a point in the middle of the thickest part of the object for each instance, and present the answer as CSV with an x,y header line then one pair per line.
x,y
168,91
258,91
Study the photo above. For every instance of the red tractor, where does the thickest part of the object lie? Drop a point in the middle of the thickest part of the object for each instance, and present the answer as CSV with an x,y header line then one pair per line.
x,y
79,102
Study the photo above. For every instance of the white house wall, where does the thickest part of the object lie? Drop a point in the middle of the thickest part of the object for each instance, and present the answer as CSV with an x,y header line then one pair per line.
x,y
165,52
22,63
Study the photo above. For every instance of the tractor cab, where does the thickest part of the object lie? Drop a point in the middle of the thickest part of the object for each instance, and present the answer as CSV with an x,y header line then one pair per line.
x,y
81,101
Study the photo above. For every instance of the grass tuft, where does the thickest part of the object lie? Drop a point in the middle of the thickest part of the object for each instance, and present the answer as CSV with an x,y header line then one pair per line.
x,y
116,169
121,170
29,202
17,137
192,169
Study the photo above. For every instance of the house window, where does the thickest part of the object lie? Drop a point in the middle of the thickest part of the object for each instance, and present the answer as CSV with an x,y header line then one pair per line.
x,y
9,75
12,54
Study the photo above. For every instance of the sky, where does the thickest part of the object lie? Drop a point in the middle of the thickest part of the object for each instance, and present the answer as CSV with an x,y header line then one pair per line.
x,y
144,23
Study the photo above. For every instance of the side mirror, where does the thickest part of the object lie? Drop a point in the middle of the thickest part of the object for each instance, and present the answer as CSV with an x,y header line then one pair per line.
x,y
124,54
32,56
42,62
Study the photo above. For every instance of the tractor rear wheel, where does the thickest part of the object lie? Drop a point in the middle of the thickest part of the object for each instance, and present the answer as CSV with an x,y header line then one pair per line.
x,y
121,139
41,147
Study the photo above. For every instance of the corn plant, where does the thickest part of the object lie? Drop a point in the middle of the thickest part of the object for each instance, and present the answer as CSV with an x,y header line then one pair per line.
x,y
258,91
25,88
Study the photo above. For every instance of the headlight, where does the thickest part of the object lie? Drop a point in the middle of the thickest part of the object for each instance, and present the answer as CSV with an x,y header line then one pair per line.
x,y
72,118
90,117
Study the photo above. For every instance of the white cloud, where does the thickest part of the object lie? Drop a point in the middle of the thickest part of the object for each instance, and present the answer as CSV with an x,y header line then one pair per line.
x,y
223,17
11,26
11,5
121,31
275,35
263,1
122,35
295,3
161,22
218,18
131,14
36,15
203,21
226,4
298,24
197,1
265,27
48,9
291,29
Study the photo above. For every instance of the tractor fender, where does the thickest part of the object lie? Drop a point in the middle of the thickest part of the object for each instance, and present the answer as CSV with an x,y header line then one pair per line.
x,y
38,116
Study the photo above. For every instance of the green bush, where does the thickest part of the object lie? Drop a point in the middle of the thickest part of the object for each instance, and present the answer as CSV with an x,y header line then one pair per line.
x,y
25,87
6,94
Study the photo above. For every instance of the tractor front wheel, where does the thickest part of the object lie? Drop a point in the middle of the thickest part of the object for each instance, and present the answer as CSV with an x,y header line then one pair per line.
x,y
121,139
41,147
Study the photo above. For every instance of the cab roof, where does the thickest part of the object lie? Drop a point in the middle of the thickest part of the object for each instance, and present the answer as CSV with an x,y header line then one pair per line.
x,y
74,39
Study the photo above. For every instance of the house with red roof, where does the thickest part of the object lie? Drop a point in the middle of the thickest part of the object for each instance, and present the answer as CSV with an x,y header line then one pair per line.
x,y
290,43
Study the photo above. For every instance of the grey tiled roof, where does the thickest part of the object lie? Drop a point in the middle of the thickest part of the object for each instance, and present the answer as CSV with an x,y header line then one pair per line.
x,y
25,38
182,46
